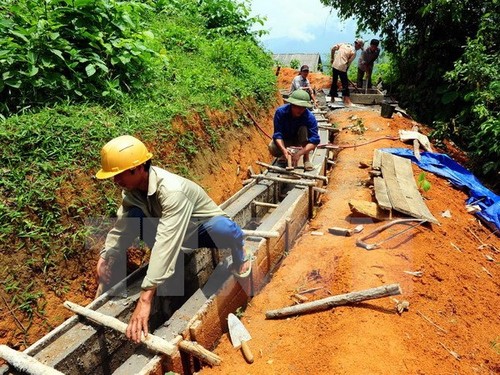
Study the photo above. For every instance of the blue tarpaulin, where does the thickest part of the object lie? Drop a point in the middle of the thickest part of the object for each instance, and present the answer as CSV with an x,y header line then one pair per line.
x,y
444,166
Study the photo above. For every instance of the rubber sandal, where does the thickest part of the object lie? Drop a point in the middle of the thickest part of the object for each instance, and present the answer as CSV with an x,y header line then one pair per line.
x,y
249,257
308,166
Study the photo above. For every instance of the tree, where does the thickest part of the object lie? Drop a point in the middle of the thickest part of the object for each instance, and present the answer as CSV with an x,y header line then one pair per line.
x,y
426,39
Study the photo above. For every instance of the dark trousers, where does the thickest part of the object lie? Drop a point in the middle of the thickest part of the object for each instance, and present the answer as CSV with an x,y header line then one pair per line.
x,y
361,74
343,79
300,139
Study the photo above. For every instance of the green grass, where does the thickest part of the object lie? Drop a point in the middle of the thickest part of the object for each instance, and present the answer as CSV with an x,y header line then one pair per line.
x,y
50,203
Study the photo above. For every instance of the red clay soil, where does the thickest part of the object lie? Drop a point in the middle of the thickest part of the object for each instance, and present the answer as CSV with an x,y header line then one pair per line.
x,y
452,324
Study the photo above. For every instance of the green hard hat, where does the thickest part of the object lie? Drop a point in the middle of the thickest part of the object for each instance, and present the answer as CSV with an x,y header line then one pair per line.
x,y
300,98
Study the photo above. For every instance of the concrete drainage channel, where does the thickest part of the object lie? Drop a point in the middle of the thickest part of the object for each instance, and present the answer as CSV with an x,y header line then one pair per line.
x,y
272,208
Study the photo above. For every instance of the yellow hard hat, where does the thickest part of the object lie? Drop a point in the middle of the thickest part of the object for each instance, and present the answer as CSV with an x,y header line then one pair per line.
x,y
122,153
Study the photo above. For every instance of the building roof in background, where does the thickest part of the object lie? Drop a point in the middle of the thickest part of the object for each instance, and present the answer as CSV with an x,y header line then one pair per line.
x,y
313,60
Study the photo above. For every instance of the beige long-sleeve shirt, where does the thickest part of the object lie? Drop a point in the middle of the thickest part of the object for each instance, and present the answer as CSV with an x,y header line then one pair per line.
x,y
342,55
175,201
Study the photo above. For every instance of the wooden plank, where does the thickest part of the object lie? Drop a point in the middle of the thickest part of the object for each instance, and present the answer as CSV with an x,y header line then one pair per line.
x,y
413,196
407,135
402,189
370,209
381,194
377,160
395,186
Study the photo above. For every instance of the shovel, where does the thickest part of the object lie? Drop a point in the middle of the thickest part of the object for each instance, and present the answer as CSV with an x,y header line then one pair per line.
x,y
239,336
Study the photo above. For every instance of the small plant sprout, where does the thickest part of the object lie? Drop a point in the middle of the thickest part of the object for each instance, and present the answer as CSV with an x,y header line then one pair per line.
x,y
423,183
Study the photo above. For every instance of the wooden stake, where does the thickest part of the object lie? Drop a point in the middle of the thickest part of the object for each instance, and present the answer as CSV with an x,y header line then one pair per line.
x,y
265,204
25,363
343,299
151,341
200,352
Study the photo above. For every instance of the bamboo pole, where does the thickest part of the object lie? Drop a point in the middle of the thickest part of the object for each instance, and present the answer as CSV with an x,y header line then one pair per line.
x,y
25,363
294,173
285,180
342,299
320,190
199,352
260,233
265,204
151,341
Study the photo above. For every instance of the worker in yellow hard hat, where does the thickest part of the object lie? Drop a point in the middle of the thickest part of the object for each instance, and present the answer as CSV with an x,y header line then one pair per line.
x,y
167,211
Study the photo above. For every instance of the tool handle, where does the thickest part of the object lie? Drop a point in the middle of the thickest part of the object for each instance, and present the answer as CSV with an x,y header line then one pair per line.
x,y
247,353
289,163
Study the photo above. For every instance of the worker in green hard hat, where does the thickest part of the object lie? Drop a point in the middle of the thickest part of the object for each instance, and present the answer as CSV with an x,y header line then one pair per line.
x,y
295,130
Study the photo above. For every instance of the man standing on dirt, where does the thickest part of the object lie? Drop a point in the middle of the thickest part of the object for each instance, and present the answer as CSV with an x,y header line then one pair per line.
x,y
166,211
342,55
295,126
365,63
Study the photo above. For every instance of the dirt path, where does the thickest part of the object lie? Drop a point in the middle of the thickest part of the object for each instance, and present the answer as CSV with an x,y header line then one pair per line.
x,y
452,326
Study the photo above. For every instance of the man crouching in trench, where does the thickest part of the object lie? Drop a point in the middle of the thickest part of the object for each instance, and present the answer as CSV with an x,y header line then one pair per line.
x,y
184,215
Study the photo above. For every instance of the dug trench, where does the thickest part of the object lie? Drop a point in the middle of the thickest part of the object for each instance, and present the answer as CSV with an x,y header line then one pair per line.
x,y
446,271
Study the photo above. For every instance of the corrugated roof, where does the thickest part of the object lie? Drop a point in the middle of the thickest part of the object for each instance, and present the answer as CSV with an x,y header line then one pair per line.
x,y
313,60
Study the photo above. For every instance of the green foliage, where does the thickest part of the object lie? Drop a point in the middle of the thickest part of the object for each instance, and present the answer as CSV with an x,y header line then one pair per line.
x,y
295,64
476,77
229,18
72,50
423,183
432,74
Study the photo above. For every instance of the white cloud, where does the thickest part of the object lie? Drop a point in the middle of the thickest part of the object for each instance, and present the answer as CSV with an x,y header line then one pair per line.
x,y
297,20
301,26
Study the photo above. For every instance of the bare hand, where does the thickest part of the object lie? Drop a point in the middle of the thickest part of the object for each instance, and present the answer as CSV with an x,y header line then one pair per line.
x,y
103,271
138,324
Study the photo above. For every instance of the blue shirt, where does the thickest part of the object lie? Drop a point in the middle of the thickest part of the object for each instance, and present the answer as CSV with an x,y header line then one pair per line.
x,y
286,126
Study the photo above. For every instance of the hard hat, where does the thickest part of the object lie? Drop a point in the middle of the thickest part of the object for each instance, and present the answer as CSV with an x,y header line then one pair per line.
x,y
300,98
122,153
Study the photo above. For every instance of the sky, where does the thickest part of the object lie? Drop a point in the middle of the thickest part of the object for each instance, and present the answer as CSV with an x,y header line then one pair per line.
x,y
302,26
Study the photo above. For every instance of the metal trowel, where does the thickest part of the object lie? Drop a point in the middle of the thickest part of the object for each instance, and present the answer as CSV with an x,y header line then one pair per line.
x,y
239,336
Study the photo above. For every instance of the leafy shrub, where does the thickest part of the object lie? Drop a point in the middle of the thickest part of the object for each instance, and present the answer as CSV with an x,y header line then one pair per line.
x,y
71,50
476,77
295,64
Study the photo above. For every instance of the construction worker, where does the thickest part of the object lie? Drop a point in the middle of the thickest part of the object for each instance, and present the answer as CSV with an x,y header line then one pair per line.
x,y
167,211
341,57
300,82
366,62
295,126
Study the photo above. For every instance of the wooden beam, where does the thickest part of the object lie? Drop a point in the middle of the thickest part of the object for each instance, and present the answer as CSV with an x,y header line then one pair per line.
x,y
25,363
293,173
342,299
151,341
